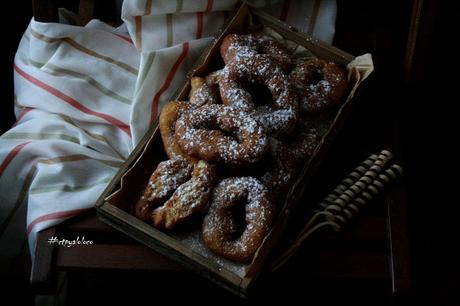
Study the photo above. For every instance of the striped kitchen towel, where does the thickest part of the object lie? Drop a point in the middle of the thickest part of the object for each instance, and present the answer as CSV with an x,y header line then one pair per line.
x,y
85,96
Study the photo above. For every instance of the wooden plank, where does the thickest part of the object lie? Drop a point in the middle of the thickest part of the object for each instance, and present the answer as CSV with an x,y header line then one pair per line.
x,y
45,10
86,11
359,233
41,277
420,40
114,257
398,235
352,266
169,247
87,223
400,259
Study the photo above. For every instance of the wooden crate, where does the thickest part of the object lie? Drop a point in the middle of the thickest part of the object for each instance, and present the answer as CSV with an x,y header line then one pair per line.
x,y
126,187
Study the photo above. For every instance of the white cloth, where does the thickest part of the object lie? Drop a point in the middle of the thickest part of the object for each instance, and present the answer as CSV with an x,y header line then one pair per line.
x,y
86,95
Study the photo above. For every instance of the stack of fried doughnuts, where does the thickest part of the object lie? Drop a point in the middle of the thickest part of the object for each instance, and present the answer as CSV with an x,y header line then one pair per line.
x,y
235,152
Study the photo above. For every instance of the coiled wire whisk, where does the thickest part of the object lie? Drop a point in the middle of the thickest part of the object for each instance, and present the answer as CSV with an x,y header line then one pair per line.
x,y
346,200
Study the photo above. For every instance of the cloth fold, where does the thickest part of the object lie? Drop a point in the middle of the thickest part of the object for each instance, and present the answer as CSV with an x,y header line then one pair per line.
x,y
85,96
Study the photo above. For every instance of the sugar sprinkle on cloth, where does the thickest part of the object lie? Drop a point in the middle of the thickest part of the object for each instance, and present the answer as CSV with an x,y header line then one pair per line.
x,y
85,96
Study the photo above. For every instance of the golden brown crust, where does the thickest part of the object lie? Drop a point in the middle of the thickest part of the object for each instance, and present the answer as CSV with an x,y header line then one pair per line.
x,y
168,117
188,199
203,92
282,112
234,45
221,231
207,133
166,178
286,157
319,84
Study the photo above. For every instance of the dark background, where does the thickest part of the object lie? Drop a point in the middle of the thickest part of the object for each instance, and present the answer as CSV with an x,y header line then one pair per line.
x,y
422,101
12,28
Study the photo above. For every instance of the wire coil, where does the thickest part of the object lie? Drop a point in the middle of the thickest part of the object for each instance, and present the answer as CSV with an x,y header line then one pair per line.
x,y
346,200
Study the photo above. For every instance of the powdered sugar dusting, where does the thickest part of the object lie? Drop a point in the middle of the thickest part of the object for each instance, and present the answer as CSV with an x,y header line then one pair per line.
x,y
282,115
194,241
167,177
206,133
219,225
319,83
244,46
189,198
205,94
275,121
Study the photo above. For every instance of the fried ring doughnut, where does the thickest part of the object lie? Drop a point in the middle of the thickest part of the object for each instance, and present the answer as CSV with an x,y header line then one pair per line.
x,y
207,133
203,92
168,117
234,46
213,77
189,199
220,224
259,69
285,158
233,94
281,169
319,84
166,178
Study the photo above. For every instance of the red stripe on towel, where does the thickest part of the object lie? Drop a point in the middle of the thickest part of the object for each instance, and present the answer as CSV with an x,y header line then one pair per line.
x,y
199,19
128,39
199,25
209,6
59,94
285,10
54,216
22,114
167,83
11,156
